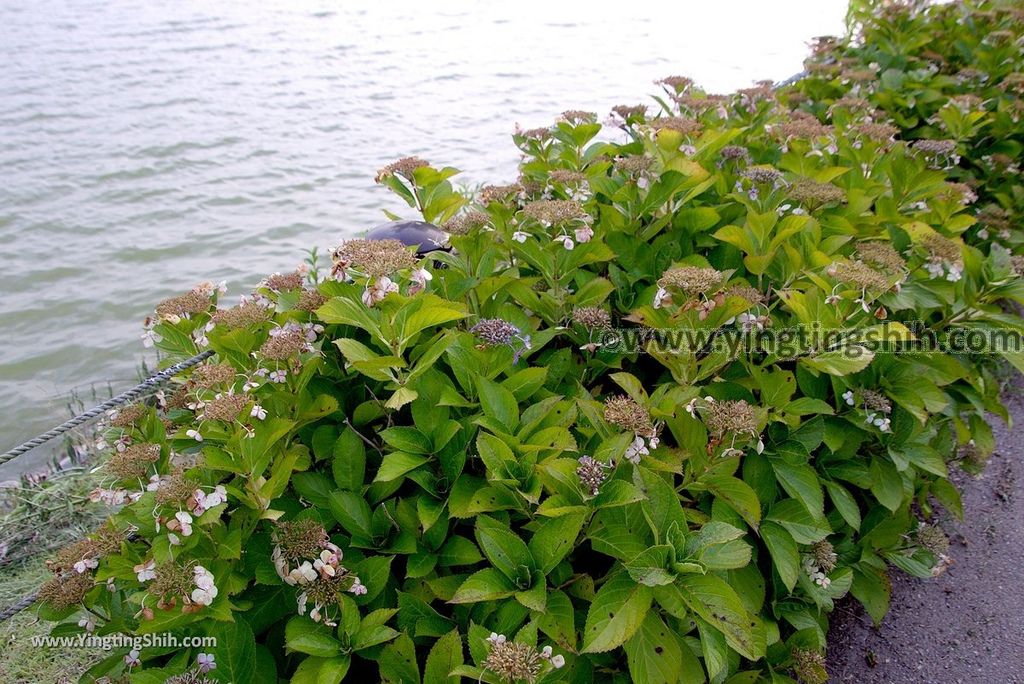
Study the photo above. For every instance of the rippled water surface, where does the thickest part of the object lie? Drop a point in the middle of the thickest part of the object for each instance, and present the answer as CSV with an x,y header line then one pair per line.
x,y
147,146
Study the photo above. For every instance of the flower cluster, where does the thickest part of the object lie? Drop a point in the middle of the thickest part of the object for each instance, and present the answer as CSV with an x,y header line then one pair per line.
x,y
727,418
876,405
404,167
693,281
304,556
592,473
944,258
514,662
495,332
626,413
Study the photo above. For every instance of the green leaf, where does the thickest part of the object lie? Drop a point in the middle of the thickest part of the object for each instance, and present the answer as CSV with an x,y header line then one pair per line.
x,y
444,657
853,359
872,588
484,585
617,493
616,613
458,551
650,567
397,464
235,652
886,483
710,597
793,516
398,662
498,403
653,653
844,503
808,405
349,464
555,538
662,506
407,439
739,495
374,572
801,482
558,620
305,636
784,552
352,511
504,549
315,670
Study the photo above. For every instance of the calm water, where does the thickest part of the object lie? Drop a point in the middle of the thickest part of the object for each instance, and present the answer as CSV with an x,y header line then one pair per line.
x,y
148,146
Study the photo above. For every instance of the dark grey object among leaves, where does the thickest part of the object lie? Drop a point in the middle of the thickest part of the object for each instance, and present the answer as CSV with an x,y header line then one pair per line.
x,y
425,237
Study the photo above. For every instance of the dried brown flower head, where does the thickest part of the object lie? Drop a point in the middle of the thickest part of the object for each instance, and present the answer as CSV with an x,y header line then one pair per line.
x,y
851,103
858,75
375,258
680,124
625,413
466,223
172,580
592,317
876,132
134,462
941,248
627,112
281,282
284,346
824,556
577,116
1017,264
803,128
566,177
747,292
212,375
935,148
247,315
692,280
814,194
541,133
66,592
994,217
633,165
498,193
129,415
225,408
310,300
513,662
728,416
193,302
676,83
882,256
554,212
404,167
734,153
858,274
961,193
175,488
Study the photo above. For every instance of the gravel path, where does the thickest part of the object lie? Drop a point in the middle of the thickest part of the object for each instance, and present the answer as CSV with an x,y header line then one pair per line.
x,y
967,626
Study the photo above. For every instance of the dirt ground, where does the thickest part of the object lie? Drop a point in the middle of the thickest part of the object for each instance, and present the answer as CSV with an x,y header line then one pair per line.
x,y
967,626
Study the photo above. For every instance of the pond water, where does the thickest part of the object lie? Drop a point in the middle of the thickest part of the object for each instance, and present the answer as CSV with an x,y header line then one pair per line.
x,y
148,146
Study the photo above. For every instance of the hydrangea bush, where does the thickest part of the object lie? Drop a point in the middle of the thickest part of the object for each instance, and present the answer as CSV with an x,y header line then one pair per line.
x,y
529,459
